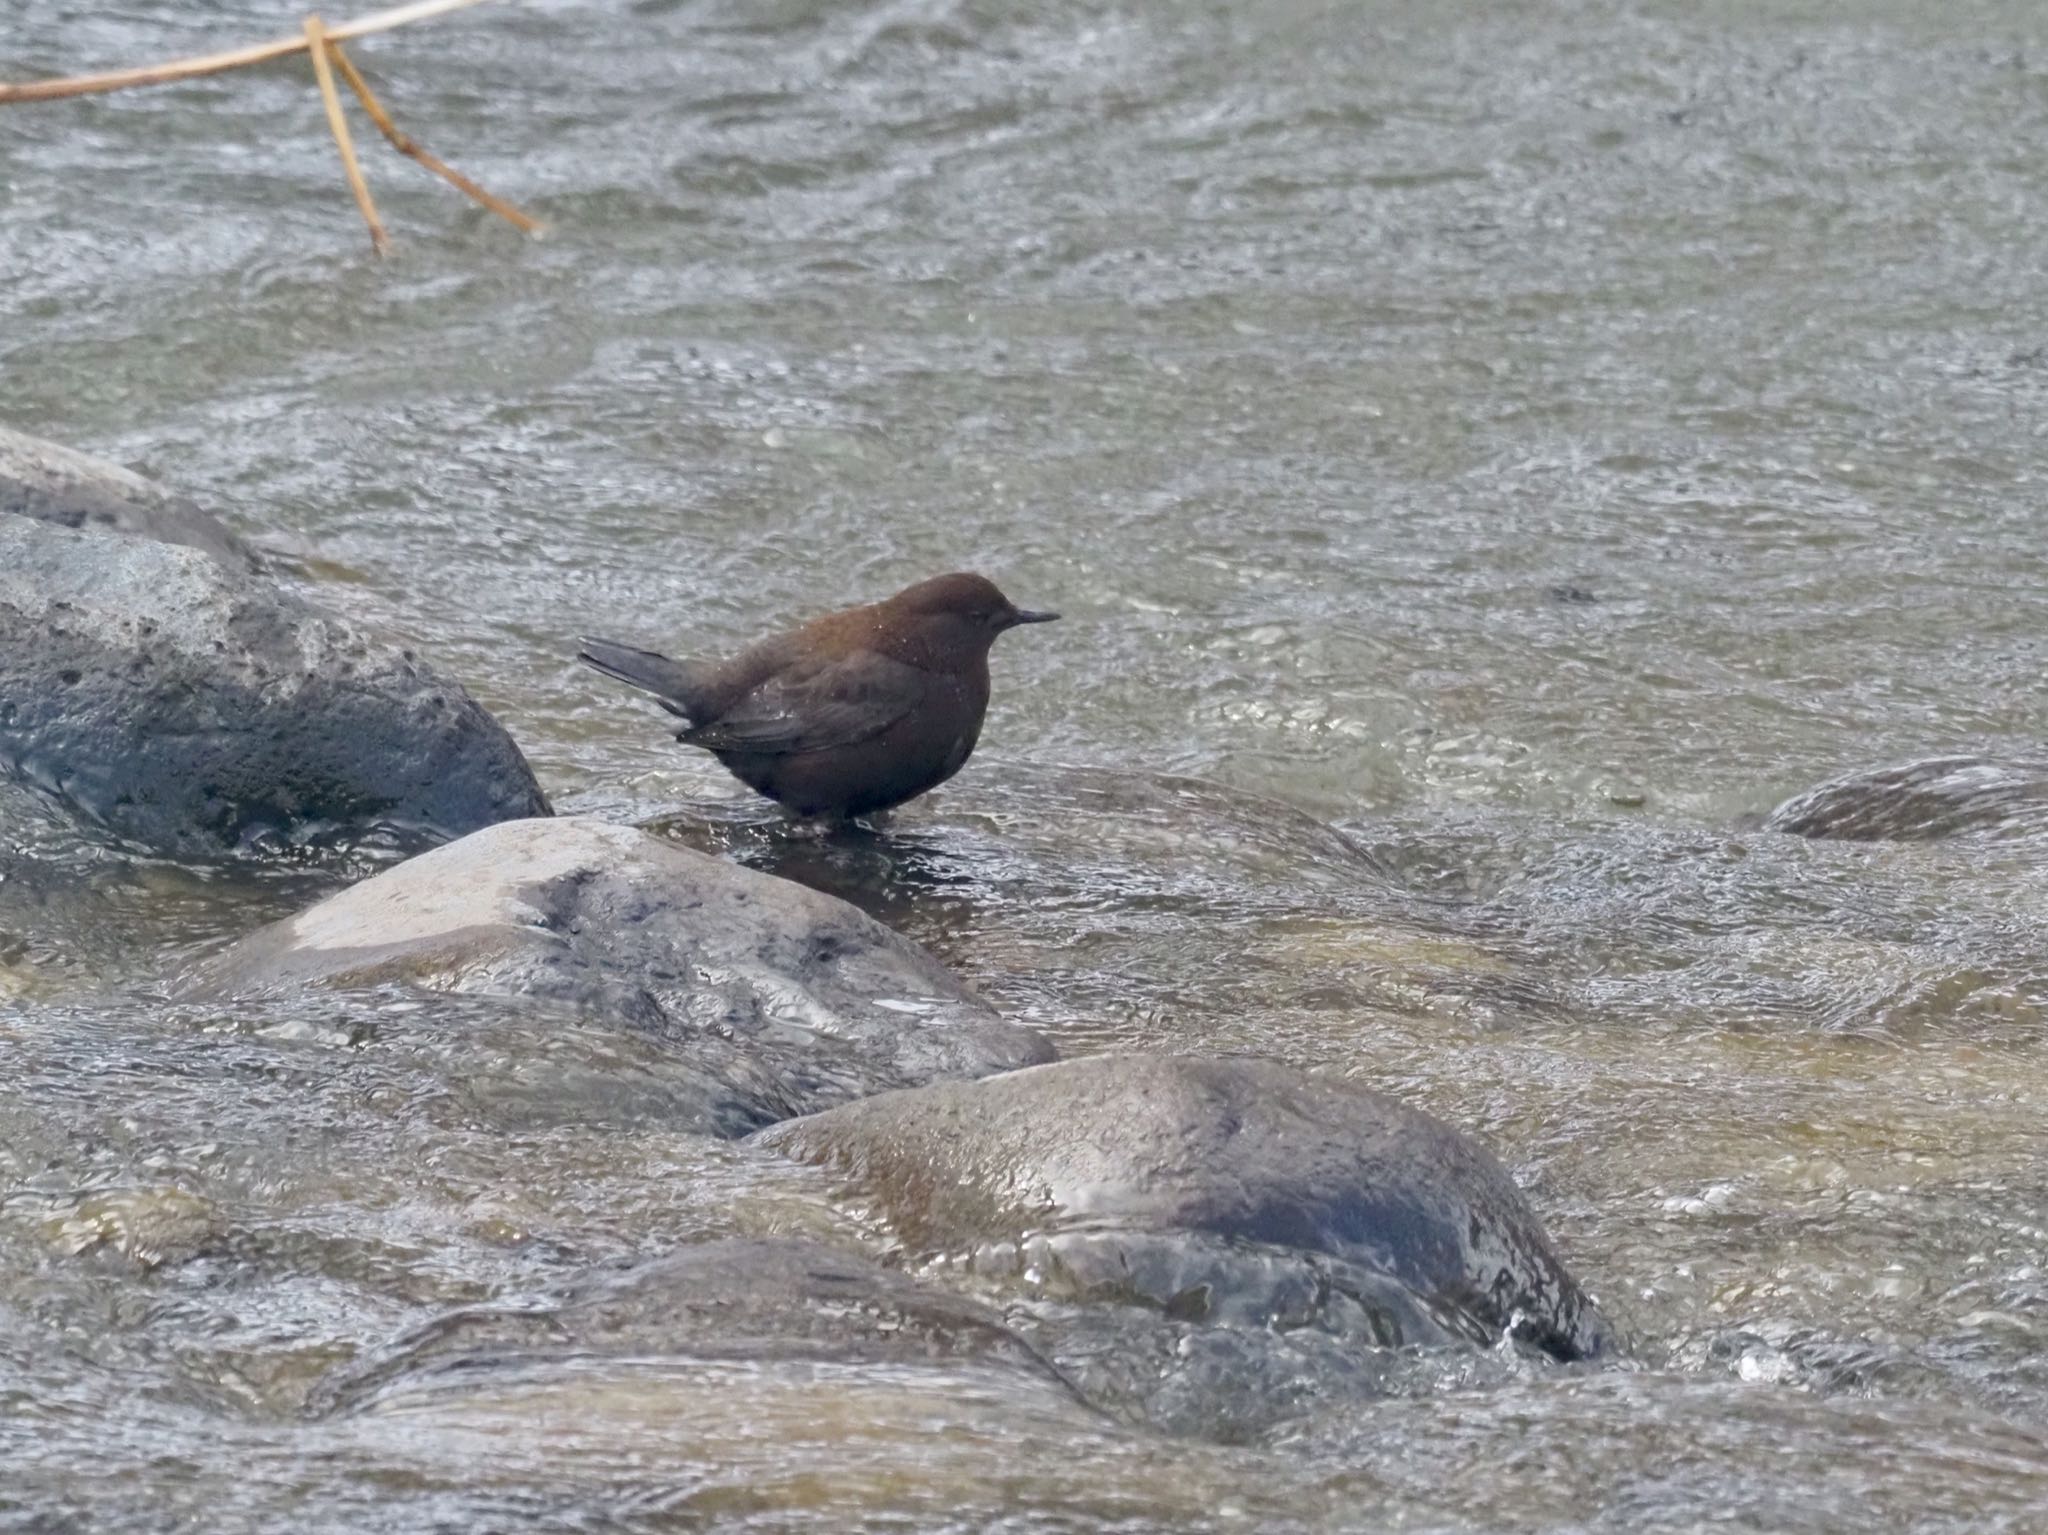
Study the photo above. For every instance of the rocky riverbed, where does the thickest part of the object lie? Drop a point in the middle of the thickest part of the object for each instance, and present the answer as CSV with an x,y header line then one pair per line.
x,y
1485,977
1274,1227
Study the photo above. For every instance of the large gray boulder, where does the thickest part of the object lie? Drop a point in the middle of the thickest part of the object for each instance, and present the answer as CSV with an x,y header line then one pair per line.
x,y
1923,801
188,708
1234,1190
59,485
785,1000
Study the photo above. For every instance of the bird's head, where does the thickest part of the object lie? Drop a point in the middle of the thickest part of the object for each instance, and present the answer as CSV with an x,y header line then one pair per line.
x,y
960,614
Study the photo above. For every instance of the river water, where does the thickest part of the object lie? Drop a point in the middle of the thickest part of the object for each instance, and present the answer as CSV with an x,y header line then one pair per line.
x,y
1487,455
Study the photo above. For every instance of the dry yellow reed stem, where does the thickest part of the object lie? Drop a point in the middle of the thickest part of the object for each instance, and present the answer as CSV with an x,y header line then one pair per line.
x,y
405,145
323,44
317,45
213,63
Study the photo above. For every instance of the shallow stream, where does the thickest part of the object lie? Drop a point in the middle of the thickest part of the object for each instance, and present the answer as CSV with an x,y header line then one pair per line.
x,y
1488,455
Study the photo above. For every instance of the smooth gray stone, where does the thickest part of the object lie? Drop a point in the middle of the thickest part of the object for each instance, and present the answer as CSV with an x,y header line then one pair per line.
x,y
1923,802
60,485
1234,1190
787,1000
188,708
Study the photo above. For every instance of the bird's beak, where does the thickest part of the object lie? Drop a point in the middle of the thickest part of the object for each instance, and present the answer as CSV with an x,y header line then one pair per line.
x,y
1024,616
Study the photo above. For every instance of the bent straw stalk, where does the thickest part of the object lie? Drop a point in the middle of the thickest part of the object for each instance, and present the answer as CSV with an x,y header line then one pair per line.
x,y
323,44
317,45
405,145
214,63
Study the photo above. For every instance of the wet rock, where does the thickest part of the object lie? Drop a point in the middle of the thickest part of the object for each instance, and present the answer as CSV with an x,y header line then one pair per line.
x,y
771,1384
741,1300
789,1001
1923,802
1232,1384
1229,1190
189,709
148,1226
59,485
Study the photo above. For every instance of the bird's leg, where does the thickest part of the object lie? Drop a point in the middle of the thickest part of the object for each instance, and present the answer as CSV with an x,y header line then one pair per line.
x,y
807,828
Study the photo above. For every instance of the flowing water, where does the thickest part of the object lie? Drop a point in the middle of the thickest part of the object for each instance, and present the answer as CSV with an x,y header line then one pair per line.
x,y
1486,454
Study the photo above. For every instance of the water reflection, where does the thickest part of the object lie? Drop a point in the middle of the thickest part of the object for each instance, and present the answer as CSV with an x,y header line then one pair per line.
x,y
907,879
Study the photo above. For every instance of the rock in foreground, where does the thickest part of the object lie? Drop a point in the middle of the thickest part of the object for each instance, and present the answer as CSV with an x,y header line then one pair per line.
x,y
74,490
733,1299
1923,802
786,1000
1229,1189
189,709
759,1385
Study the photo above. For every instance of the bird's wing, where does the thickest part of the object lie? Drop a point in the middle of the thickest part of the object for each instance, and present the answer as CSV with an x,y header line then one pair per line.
x,y
813,706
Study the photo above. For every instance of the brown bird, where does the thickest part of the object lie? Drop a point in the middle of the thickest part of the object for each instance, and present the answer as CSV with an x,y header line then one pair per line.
x,y
852,713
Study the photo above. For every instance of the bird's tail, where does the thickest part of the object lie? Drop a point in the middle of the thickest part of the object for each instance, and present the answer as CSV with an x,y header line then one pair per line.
x,y
673,683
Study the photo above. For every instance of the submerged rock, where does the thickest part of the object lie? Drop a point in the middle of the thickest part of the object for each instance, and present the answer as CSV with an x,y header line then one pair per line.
x,y
1923,802
729,1300
75,490
742,1383
1233,1190
189,709
147,1225
787,1000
